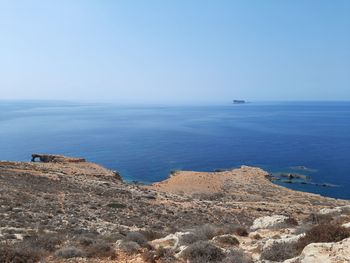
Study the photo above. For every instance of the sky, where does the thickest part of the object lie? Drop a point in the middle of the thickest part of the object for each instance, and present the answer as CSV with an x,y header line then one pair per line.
x,y
175,50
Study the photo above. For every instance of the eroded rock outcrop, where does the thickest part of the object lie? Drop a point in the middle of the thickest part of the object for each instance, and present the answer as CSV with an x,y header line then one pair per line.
x,y
338,252
274,221
52,158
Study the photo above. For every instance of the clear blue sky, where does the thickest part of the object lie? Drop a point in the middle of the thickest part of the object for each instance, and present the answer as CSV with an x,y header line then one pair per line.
x,y
175,51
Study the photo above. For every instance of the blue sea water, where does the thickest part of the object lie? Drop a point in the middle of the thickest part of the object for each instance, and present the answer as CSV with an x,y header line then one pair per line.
x,y
145,143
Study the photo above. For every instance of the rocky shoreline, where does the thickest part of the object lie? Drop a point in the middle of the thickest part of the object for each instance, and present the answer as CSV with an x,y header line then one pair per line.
x,y
65,209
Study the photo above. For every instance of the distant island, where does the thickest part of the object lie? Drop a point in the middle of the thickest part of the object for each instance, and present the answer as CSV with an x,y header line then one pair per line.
x,y
239,101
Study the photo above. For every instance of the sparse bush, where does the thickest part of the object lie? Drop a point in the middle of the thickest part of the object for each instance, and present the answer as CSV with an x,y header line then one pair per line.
x,y
148,256
69,252
86,241
136,237
257,236
161,254
323,233
151,234
206,231
113,237
46,241
241,231
237,256
280,251
129,247
203,251
19,254
291,221
202,233
227,240
189,239
101,249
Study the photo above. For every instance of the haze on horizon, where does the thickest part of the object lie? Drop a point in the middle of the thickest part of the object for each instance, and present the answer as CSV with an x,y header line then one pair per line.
x,y
175,51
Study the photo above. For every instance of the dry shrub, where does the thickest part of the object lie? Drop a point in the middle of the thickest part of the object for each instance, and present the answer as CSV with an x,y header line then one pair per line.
x,y
202,233
203,251
129,247
189,239
280,251
19,254
323,233
241,231
227,240
161,254
86,241
150,234
136,237
257,236
291,221
69,252
206,231
45,241
237,256
101,249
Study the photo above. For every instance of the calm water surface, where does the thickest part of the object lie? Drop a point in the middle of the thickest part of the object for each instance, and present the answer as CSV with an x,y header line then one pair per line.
x,y
146,142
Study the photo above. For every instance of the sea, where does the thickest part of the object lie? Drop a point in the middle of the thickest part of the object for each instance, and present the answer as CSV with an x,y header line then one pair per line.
x,y
146,142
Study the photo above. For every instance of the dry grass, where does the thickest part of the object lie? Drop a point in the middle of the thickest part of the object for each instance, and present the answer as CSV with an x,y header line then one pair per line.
x,y
227,240
69,252
201,252
280,251
19,254
323,233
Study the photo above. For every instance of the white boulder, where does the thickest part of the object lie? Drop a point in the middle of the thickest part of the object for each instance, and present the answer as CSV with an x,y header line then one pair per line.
x,y
268,222
287,239
346,225
170,241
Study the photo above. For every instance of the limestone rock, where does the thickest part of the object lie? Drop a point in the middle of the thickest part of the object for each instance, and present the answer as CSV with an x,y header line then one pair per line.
x,y
346,225
171,241
269,222
338,252
288,239
335,210
330,211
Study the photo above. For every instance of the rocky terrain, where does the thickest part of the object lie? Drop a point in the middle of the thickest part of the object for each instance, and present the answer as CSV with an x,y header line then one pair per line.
x,y
65,209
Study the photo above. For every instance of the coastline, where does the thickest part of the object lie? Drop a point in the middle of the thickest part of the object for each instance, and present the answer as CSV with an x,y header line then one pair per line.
x,y
73,198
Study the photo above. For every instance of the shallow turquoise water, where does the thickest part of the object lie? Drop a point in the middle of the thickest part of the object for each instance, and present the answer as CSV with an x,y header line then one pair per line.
x,y
146,142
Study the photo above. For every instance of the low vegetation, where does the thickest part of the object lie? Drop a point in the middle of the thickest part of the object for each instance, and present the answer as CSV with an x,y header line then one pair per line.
x,y
70,252
280,251
227,240
323,233
202,252
19,254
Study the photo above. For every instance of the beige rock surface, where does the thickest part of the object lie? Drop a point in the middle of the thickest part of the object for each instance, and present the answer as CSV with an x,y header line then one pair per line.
x,y
338,252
